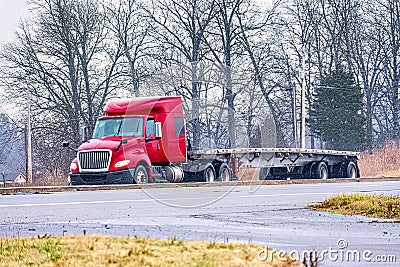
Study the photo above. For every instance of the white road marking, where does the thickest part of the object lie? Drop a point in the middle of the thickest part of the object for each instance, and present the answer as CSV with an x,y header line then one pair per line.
x,y
174,199
73,203
292,194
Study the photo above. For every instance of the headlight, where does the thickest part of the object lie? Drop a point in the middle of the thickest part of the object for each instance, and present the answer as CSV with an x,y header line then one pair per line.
x,y
122,163
73,166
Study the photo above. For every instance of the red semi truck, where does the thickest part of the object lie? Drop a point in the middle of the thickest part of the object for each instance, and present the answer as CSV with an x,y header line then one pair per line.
x,y
144,140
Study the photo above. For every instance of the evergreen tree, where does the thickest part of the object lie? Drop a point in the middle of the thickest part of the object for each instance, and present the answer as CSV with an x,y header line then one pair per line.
x,y
337,112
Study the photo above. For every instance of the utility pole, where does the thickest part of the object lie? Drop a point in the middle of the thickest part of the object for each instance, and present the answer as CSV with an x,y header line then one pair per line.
x,y
28,141
303,100
294,114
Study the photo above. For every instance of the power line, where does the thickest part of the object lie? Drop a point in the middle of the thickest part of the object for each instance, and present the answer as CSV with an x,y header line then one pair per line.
x,y
338,88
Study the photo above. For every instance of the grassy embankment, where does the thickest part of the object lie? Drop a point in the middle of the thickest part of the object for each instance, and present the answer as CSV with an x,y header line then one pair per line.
x,y
377,206
127,251
384,162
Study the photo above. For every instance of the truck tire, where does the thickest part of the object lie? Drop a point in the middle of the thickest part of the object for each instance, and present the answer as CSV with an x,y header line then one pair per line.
x,y
321,171
141,175
337,171
209,174
224,173
350,170
308,170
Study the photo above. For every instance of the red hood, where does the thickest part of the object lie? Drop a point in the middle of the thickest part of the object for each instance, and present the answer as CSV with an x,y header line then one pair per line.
x,y
110,142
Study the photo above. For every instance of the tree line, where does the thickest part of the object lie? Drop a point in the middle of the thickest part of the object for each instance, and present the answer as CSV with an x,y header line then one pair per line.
x,y
236,61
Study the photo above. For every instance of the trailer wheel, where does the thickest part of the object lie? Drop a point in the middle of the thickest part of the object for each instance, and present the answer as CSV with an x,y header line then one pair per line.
x,y
225,173
141,175
338,170
308,170
350,170
209,174
321,171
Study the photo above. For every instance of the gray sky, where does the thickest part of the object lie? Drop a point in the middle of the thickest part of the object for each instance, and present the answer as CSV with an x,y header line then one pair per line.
x,y
11,12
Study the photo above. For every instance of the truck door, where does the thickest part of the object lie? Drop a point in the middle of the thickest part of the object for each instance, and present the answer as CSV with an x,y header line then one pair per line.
x,y
179,127
153,145
175,143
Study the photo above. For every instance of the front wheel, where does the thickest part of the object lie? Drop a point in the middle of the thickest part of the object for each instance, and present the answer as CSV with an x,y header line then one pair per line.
x,y
141,175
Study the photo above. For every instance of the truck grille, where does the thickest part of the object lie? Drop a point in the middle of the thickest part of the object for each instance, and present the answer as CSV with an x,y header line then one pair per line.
x,y
94,161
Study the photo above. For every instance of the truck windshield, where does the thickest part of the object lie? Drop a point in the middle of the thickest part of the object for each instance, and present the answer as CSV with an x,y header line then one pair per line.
x,y
130,126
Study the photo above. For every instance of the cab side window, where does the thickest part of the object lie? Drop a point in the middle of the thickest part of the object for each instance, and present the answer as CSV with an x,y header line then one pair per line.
x,y
179,126
150,127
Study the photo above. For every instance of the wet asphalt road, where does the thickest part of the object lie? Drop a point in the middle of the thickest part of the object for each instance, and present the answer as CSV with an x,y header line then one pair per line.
x,y
272,215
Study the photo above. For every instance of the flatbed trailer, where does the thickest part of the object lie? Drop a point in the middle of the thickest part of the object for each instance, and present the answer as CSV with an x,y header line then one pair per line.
x,y
280,163
144,140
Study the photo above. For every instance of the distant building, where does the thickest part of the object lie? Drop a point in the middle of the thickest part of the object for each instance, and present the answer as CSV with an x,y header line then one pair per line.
x,y
20,179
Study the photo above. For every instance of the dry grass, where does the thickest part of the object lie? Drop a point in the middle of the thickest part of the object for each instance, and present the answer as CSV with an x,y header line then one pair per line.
x,y
46,179
248,174
377,206
381,163
127,251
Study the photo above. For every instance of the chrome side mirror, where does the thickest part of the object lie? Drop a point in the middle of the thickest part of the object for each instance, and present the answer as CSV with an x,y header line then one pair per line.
x,y
158,130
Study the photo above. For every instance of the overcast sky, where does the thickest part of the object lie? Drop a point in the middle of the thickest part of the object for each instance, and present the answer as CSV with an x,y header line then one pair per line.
x,y
11,12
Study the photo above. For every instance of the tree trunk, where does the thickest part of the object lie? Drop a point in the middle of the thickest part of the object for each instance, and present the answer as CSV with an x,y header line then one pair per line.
x,y
195,107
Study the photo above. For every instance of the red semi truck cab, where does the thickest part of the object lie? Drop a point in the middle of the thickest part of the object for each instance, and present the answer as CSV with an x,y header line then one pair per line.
x,y
137,140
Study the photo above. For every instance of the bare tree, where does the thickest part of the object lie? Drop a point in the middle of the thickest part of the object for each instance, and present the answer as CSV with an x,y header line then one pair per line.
x,y
181,27
364,49
127,21
61,58
219,55
389,21
226,32
263,56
